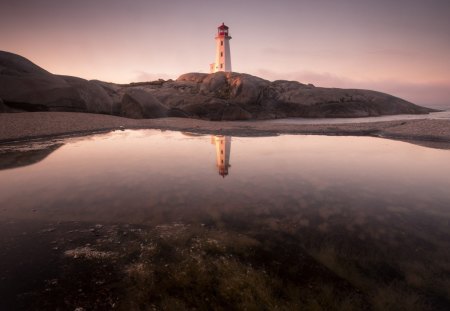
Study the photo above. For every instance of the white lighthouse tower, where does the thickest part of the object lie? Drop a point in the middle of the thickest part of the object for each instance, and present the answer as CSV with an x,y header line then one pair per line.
x,y
223,56
223,148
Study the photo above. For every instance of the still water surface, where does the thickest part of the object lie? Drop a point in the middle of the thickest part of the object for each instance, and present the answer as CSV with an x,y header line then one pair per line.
x,y
177,220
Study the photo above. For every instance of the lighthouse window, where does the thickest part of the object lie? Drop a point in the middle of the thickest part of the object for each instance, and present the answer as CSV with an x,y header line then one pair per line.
x,y
221,54
221,42
221,65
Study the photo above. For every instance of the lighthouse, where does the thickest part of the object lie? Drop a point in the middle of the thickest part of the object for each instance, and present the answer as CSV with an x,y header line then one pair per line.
x,y
223,56
223,148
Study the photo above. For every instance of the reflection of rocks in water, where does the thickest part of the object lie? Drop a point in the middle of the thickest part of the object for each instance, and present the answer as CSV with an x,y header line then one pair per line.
x,y
223,148
22,156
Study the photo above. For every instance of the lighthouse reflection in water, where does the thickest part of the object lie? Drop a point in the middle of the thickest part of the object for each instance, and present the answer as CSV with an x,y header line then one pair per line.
x,y
223,147
142,217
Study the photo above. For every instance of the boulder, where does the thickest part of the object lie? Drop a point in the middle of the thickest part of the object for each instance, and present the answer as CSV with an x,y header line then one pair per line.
x,y
215,84
92,94
139,104
192,77
15,65
114,92
296,99
25,86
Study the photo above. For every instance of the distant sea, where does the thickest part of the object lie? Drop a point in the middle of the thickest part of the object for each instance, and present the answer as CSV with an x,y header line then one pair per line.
x,y
437,106
443,115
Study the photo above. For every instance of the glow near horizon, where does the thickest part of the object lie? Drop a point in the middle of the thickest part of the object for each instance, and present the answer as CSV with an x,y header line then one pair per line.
x,y
402,47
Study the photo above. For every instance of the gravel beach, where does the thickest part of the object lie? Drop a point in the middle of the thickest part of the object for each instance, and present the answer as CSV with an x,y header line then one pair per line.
x,y
35,125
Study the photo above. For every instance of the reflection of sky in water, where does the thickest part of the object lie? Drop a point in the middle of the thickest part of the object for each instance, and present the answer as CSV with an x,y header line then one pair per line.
x,y
151,176
329,221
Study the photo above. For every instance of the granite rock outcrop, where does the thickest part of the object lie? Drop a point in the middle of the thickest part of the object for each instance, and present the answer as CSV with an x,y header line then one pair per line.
x,y
25,86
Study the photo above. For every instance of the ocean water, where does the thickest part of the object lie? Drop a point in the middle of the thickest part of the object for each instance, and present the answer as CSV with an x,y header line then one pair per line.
x,y
442,115
141,219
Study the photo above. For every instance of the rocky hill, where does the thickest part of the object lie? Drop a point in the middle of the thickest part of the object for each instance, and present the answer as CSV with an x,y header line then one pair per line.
x,y
25,86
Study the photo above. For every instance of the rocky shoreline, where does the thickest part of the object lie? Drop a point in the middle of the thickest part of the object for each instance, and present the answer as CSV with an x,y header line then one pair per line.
x,y
35,103
37,125
221,96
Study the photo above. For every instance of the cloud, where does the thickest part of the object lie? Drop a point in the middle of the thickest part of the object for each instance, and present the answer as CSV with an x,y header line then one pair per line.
x,y
432,94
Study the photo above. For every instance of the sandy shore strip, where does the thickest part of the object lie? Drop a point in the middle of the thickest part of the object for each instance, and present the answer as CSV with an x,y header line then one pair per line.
x,y
33,125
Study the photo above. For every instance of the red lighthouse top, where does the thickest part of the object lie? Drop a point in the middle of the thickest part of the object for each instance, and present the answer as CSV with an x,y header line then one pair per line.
x,y
222,30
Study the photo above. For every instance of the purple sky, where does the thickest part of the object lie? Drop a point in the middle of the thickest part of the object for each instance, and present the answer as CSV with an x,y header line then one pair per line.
x,y
401,47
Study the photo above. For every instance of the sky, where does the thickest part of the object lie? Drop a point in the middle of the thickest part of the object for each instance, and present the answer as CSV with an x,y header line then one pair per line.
x,y
401,47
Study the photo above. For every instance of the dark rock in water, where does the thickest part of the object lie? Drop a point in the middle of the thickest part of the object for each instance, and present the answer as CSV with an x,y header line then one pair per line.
x,y
218,96
28,156
139,104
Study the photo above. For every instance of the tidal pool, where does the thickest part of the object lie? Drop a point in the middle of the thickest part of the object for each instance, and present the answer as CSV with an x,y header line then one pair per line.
x,y
148,219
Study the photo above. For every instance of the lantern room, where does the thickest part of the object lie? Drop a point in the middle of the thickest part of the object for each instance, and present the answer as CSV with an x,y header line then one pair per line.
x,y
222,30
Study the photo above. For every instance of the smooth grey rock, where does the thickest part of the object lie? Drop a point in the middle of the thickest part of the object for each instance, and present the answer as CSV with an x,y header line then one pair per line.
x,y
94,96
15,65
25,86
138,104
114,92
